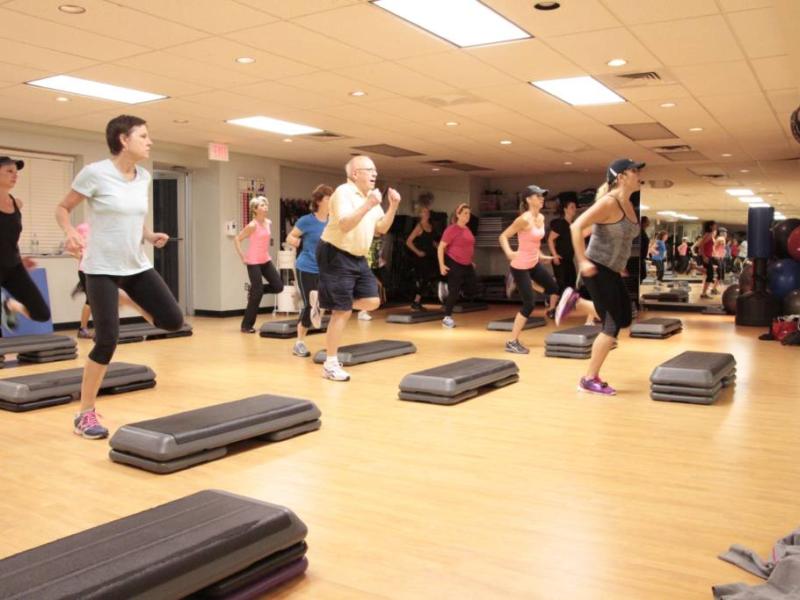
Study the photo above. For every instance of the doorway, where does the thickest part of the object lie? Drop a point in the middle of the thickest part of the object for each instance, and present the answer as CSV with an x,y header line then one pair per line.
x,y
171,215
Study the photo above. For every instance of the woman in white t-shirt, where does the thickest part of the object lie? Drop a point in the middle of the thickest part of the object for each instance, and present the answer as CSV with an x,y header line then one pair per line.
x,y
116,190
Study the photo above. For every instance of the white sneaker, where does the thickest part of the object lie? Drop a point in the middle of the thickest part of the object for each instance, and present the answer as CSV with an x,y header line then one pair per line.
x,y
333,370
316,314
364,315
448,322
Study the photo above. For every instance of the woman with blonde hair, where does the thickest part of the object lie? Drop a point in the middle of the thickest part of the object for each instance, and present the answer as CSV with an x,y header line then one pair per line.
x,y
257,259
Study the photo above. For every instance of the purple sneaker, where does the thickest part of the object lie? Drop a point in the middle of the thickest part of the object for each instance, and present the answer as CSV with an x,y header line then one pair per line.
x,y
596,386
566,304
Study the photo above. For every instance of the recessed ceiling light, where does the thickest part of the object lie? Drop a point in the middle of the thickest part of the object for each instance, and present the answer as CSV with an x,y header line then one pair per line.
x,y
547,5
95,89
744,170
579,91
287,140
358,93
245,60
617,62
739,192
62,99
726,155
435,169
180,121
505,142
668,105
567,162
644,207
452,123
72,9
273,125
695,129
460,22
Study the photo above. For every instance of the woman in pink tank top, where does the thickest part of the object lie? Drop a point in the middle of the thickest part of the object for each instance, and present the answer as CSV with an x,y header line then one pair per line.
x,y
257,260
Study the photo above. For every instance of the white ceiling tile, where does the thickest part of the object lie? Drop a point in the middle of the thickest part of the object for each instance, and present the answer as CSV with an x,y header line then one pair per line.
x,y
759,32
25,55
734,5
288,10
634,12
774,73
690,41
205,15
718,78
396,78
104,18
784,101
458,69
572,17
306,46
44,101
336,87
13,74
140,80
288,95
615,113
522,97
186,69
668,92
592,51
527,60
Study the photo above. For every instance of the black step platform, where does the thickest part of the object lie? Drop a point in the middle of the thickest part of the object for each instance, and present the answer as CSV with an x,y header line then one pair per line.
x,y
137,332
287,328
694,377
355,354
507,324
28,392
210,538
656,328
675,295
182,440
458,381
467,307
38,348
409,317
575,342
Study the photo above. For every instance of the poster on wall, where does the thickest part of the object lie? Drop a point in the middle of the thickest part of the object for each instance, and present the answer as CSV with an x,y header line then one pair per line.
x,y
248,187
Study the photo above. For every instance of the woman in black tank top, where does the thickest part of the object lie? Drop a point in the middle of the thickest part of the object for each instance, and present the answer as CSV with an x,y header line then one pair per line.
x,y
14,277
422,243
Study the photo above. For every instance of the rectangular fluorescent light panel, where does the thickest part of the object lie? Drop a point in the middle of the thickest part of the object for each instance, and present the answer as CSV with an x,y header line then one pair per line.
x,y
751,199
95,89
464,23
579,91
739,192
273,125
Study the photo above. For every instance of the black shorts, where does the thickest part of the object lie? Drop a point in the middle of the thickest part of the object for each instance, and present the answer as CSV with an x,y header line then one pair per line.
x,y
343,278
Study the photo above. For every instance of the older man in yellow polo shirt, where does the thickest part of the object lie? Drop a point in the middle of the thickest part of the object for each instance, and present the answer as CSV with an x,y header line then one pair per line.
x,y
345,279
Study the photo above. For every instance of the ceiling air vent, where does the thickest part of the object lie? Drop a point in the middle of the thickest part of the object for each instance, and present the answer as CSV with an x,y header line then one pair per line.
x,y
458,166
649,75
387,150
325,136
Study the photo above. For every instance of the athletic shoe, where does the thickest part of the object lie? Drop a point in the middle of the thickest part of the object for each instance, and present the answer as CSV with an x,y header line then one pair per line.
x,y
248,330
515,347
9,317
417,306
442,291
300,349
705,296
364,315
316,314
334,371
87,425
566,304
595,386
511,284
85,334
448,322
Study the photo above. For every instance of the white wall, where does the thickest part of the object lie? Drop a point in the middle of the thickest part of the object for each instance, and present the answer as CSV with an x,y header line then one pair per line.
x,y
299,183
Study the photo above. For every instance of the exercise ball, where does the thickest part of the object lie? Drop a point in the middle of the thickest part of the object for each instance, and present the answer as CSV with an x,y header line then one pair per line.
x,y
780,236
791,303
784,276
746,278
793,245
729,297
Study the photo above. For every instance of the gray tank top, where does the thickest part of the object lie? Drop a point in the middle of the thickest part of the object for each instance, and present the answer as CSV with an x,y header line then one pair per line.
x,y
611,243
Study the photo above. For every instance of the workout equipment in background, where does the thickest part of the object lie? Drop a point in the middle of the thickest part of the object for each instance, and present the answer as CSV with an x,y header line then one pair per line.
x,y
409,317
507,324
791,303
211,542
656,328
288,328
729,298
575,342
784,277
29,392
137,332
38,348
355,354
758,307
746,278
793,243
694,377
678,294
174,442
458,381
780,236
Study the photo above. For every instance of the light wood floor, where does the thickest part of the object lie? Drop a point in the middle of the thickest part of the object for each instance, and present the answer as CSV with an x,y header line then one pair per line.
x,y
532,491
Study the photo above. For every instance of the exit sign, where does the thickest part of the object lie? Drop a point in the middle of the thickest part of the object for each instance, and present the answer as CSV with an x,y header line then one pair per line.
x,y
217,151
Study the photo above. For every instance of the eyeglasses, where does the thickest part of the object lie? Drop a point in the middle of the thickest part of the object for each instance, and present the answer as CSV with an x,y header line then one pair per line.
x,y
371,170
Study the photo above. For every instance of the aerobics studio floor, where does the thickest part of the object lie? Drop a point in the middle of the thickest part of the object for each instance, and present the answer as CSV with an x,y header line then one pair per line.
x,y
532,491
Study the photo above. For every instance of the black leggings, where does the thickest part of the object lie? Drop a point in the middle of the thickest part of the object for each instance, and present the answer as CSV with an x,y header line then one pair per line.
x,y
459,278
274,286
17,282
611,299
426,274
307,282
523,278
710,263
659,269
146,289
565,273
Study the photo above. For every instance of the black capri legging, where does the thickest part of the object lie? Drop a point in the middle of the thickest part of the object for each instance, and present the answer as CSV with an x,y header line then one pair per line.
x,y
459,278
307,282
523,277
611,299
17,282
565,273
710,263
146,289
257,290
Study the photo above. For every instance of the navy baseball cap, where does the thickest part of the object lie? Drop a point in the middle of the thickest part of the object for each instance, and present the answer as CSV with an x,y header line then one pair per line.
x,y
620,165
534,190
7,160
